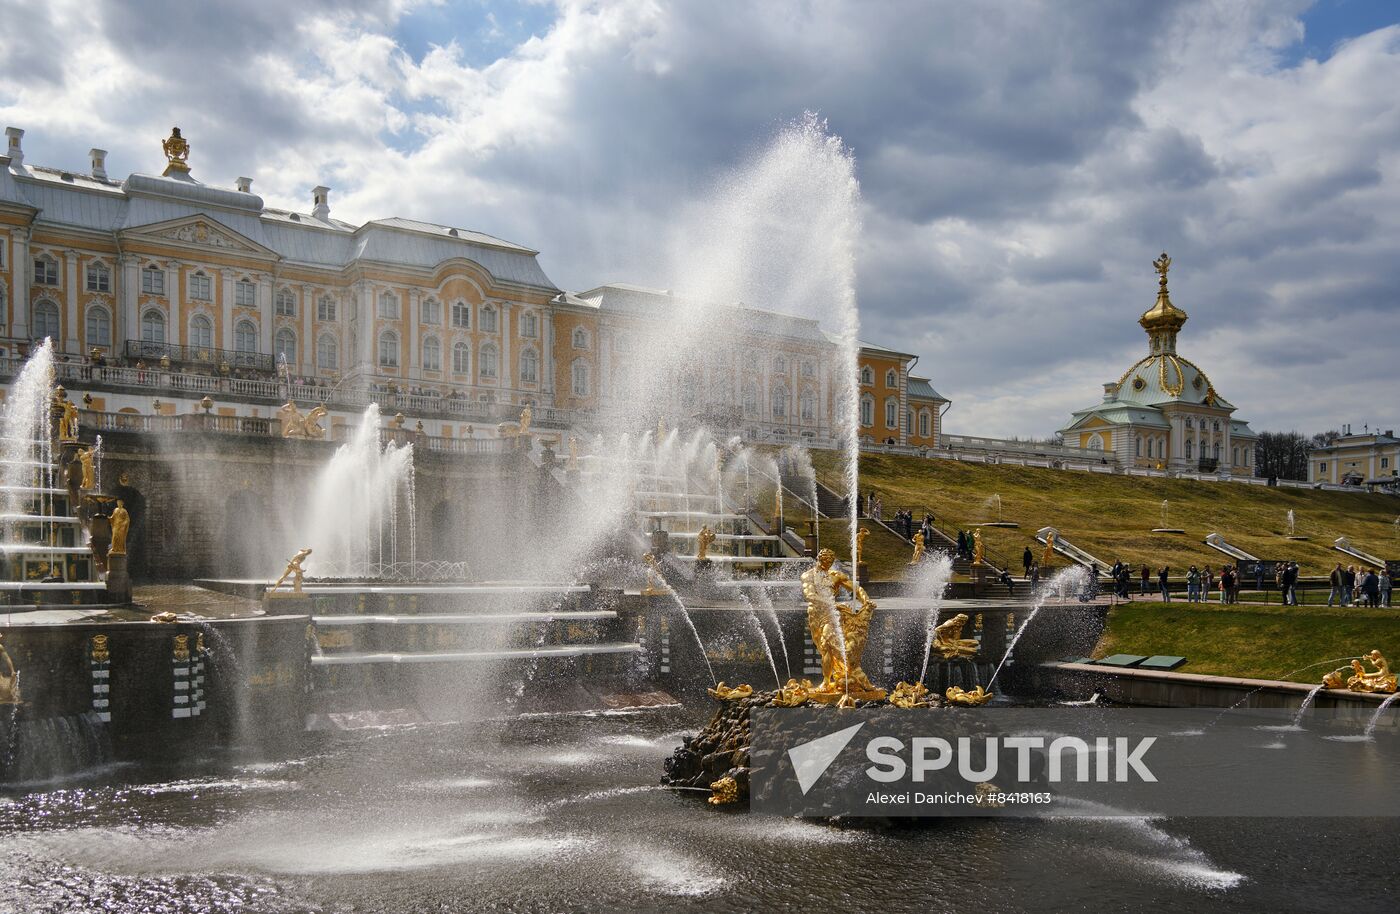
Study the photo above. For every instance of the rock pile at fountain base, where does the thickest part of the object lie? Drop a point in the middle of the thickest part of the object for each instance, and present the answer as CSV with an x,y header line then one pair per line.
x,y
721,749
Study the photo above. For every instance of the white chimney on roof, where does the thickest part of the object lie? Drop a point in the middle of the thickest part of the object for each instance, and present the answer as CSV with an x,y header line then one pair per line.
x,y
321,196
99,162
16,152
244,185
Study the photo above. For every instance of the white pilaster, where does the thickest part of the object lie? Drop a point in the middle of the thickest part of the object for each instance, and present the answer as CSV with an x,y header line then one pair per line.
x,y
412,327
23,271
70,281
505,377
307,348
129,323
264,313
226,312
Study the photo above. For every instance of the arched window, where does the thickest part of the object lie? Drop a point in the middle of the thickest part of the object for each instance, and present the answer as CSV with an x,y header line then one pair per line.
x,y
153,280
529,324
325,308
461,315
153,327
808,406
891,413
202,289
45,320
1190,448
461,358
99,278
1215,426
1137,443
867,376
750,400
488,319
867,411
284,345
529,367
388,306
201,332
432,354
1095,443
99,326
809,370
388,349
582,381
780,402
489,362
580,338
780,365
891,378
1234,456
1217,452
245,337
925,423
286,303
327,353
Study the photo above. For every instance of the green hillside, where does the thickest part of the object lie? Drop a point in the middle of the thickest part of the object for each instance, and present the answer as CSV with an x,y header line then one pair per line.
x,y
1112,516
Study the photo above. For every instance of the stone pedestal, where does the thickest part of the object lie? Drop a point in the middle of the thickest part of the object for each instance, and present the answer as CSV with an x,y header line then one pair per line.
x,y
287,603
704,570
862,574
118,580
660,543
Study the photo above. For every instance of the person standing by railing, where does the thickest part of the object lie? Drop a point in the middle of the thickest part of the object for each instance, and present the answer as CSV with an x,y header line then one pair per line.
x,y
1162,581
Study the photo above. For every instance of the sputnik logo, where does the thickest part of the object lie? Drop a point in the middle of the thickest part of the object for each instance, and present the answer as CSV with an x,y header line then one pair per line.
x,y
811,759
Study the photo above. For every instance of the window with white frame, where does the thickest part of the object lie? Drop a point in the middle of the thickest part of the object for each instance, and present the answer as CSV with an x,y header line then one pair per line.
x,y
925,423
780,365
489,362
327,353
45,271
4,301
461,315
201,288
488,319
582,378
891,413
245,337
388,307
867,411
285,305
432,354
325,308
867,375
153,280
529,367
388,349
245,294
284,346
891,378
780,402
750,400
44,321
99,326
1190,448
201,332
809,369
99,278
529,325
808,406
431,312
580,338
461,358
153,326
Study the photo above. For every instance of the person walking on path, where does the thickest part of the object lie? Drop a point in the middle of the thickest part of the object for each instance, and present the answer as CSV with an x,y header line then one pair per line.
x,y
1371,588
1348,584
1146,578
1386,586
1162,581
1336,581
1027,560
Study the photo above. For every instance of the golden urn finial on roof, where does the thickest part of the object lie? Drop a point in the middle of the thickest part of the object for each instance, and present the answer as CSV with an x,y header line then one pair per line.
x,y
1163,315
177,153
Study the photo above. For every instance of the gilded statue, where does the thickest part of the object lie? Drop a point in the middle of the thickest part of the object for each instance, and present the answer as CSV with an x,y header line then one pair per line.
x,y
861,536
660,430
89,471
794,694
67,413
177,152
573,452
294,571
979,550
121,524
1379,680
297,425
703,540
948,641
838,630
724,791
9,678
977,696
654,586
909,695
727,693
180,648
525,416
918,548
1048,555
100,652
165,618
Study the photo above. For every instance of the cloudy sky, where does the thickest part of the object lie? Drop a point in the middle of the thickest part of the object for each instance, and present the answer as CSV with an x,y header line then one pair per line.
x,y
1021,163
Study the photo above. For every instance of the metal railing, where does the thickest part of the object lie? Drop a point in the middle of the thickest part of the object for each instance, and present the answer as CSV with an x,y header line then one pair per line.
x,y
146,350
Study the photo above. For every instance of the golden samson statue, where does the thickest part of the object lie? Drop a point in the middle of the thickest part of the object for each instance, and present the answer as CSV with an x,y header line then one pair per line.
x,y
839,631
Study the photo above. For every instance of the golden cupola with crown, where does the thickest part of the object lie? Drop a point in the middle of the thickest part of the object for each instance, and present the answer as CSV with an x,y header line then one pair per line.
x,y
1163,320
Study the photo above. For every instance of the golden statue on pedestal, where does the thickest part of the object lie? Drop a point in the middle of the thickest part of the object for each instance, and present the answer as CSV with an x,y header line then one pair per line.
x,y
726,693
525,416
703,540
573,453
909,695
794,694
948,641
977,696
121,524
724,791
654,587
838,630
979,551
177,153
1380,680
296,425
67,413
1048,555
918,548
861,535
9,678
89,471
294,571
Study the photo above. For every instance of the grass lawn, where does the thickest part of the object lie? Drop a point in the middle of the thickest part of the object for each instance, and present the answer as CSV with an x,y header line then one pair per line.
x,y
1112,516
1256,642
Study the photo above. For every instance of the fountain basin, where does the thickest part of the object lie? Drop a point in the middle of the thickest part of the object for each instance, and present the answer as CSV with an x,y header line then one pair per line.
x,y
1173,530
998,523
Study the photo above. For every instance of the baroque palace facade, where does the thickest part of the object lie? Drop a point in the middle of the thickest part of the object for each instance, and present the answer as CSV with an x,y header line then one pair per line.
x,y
204,295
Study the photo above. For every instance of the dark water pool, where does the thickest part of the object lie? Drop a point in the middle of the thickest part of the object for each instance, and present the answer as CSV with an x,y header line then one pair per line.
x,y
562,814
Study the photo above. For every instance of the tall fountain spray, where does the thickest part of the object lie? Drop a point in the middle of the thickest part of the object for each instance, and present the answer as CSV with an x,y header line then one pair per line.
x,y
26,436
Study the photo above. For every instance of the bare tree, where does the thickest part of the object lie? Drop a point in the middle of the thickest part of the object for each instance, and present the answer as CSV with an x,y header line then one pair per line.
x,y
1285,454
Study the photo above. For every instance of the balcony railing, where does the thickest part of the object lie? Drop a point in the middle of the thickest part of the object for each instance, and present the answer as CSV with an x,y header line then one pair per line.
x,y
147,351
